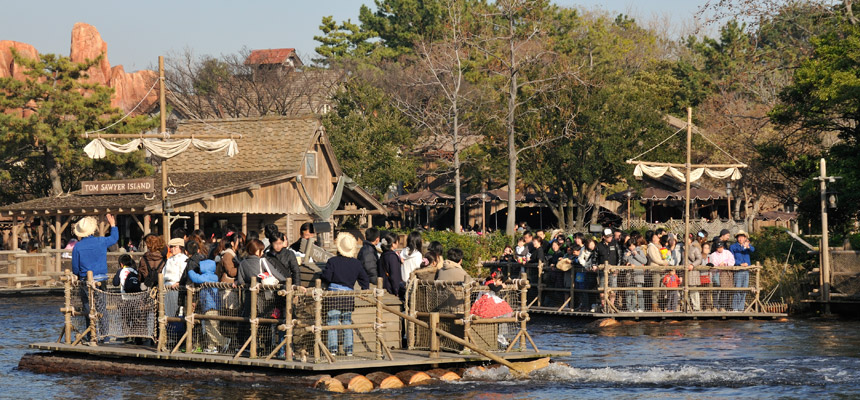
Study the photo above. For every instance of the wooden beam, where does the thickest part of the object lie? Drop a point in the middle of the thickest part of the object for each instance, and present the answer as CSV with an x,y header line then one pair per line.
x,y
196,221
137,221
173,136
660,164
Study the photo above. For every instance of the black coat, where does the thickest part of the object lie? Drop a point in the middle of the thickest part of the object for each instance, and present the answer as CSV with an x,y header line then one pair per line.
x,y
389,269
285,263
345,271
608,253
369,258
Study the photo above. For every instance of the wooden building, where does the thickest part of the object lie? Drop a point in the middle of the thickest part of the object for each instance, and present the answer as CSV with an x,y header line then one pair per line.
x,y
284,166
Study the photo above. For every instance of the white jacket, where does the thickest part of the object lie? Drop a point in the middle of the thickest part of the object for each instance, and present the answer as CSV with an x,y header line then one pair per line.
x,y
411,262
173,269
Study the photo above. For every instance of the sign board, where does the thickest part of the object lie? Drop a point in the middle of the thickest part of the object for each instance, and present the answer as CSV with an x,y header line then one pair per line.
x,y
124,186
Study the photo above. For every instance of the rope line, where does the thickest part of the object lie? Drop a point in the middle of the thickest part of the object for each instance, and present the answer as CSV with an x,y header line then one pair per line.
x,y
87,134
719,148
658,144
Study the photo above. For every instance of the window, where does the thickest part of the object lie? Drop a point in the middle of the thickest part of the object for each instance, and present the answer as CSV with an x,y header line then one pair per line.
x,y
311,164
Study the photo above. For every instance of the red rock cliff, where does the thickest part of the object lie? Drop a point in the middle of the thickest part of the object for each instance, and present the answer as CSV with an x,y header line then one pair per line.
x,y
87,43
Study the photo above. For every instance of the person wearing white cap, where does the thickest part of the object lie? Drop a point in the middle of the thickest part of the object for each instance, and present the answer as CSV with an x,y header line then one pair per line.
x,y
90,254
175,263
608,253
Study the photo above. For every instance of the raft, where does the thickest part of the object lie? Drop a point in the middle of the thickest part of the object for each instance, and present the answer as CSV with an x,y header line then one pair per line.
x,y
296,335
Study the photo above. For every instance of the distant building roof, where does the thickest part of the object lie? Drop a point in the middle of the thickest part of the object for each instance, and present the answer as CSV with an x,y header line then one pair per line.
x,y
273,56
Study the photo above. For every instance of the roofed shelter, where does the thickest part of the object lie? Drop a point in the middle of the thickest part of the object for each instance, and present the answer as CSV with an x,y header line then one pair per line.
x,y
284,170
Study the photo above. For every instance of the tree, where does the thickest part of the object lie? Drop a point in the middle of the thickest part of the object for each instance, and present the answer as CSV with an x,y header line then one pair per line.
x,y
43,119
230,87
824,100
434,93
370,137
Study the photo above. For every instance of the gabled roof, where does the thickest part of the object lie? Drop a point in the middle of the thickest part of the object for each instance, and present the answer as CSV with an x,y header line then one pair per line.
x,y
271,56
269,143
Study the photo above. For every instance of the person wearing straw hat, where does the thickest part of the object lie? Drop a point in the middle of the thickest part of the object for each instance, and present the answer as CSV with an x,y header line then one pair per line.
x,y
341,273
742,250
90,254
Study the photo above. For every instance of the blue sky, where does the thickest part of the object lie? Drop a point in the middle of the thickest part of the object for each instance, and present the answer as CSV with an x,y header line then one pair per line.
x,y
138,32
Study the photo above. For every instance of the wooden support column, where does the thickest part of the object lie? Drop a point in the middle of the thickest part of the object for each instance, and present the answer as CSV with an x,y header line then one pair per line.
x,y
15,228
196,221
67,312
147,220
58,229
254,321
434,336
245,223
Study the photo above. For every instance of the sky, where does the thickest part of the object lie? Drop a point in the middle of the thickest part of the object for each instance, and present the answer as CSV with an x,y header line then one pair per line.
x,y
138,32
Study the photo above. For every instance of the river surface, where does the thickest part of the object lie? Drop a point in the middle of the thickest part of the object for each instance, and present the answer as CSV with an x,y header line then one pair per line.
x,y
800,359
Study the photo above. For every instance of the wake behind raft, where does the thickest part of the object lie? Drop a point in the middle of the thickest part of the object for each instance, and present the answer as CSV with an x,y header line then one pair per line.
x,y
333,340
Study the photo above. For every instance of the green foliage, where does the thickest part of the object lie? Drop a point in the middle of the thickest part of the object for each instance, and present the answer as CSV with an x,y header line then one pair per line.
x,y
42,121
342,40
370,137
475,249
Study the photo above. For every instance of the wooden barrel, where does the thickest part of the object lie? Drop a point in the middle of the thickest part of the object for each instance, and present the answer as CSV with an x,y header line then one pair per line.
x,y
355,382
384,380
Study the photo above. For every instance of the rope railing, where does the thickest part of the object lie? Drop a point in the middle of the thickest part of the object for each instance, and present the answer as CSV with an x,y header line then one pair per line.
x,y
282,322
608,289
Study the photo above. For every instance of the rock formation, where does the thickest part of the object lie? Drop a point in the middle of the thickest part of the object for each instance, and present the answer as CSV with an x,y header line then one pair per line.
x,y
87,44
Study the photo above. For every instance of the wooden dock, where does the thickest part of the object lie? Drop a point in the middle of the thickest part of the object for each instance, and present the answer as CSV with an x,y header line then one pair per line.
x,y
657,315
402,359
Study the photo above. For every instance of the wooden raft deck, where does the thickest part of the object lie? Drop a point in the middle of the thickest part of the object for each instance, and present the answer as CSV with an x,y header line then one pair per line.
x,y
402,358
657,315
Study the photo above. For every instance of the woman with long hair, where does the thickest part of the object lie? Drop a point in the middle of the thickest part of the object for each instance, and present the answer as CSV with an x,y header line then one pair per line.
x,y
389,266
411,254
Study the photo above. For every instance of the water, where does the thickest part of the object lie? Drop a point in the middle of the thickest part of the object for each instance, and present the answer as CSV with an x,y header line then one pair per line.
x,y
697,359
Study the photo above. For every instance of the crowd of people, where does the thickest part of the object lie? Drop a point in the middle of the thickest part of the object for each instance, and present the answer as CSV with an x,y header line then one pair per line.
x,y
235,259
574,260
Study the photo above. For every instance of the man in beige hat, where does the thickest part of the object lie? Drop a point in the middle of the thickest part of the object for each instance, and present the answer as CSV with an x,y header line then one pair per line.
x,y
742,250
90,254
342,272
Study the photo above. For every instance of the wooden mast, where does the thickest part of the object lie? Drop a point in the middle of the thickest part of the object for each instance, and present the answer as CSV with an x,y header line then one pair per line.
x,y
162,104
683,263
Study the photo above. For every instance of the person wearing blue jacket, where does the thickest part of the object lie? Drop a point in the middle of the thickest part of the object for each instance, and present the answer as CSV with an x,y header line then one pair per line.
x,y
90,254
742,250
209,303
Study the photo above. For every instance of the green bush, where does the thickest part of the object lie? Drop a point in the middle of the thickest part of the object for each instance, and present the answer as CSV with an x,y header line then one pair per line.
x,y
476,249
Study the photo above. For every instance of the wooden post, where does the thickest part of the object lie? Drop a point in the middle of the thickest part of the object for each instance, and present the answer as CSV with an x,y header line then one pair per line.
x,y
67,289
687,200
540,283
162,104
253,317
189,322
572,300
758,287
683,265
196,221
434,337
15,228
93,320
825,240
147,220
379,292
288,314
606,307
162,316
58,260
524,309
467,305
317,320
245,223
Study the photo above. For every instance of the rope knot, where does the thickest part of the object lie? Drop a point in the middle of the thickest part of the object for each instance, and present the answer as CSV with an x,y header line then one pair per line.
x,y
254,321
317,294
379,292
190,319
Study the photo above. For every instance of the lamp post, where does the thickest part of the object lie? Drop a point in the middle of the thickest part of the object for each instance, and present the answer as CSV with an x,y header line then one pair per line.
x,y
729,200
629,194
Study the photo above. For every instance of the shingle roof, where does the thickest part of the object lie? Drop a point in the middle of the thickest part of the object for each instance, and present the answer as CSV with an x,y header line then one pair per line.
x,y
269,143
269,56
187,184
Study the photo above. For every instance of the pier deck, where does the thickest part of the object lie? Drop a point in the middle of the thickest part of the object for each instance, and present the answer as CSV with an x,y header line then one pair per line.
x,y
402,358
657,315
